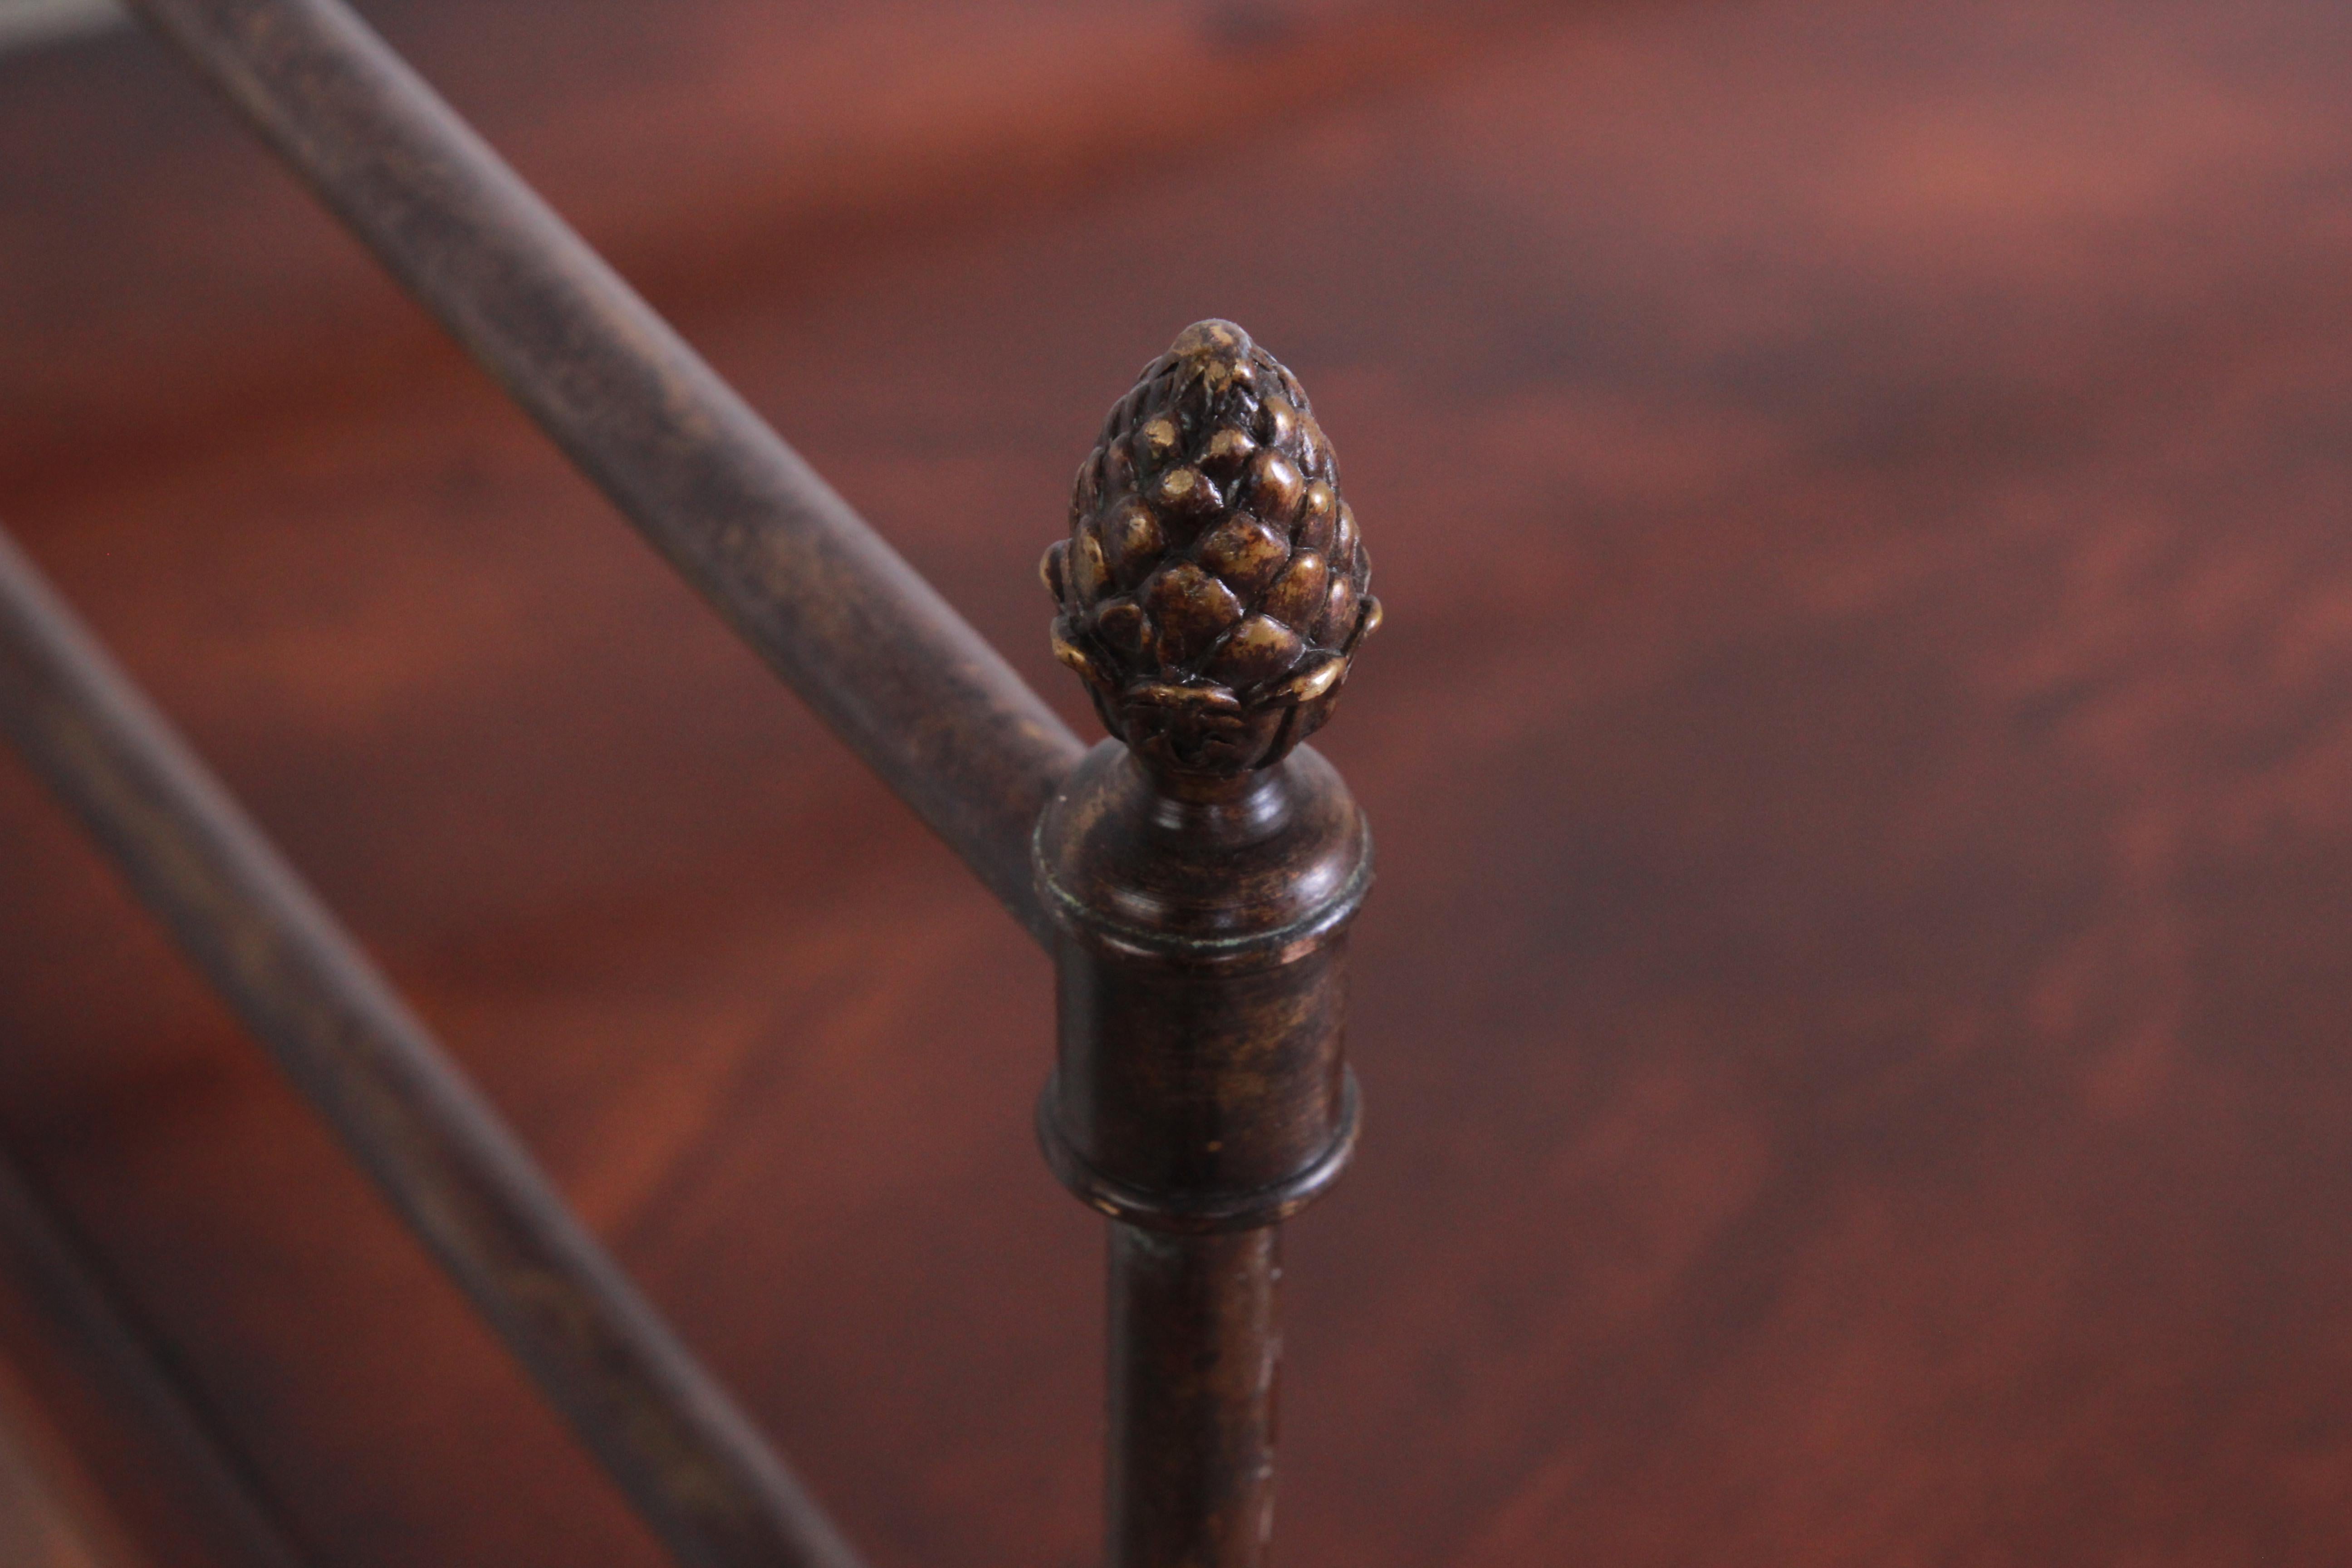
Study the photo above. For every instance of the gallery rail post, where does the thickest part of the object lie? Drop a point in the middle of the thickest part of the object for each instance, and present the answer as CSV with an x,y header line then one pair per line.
x,y
1201,874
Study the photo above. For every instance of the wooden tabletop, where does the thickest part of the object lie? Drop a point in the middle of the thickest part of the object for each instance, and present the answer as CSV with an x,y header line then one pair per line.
x,y
1853,1019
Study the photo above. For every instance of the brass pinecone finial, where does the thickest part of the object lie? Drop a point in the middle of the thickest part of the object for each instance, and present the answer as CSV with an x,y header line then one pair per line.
x,y
1213,586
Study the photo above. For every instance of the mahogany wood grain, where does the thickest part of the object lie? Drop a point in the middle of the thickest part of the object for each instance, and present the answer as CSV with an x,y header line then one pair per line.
x,y
1852,1022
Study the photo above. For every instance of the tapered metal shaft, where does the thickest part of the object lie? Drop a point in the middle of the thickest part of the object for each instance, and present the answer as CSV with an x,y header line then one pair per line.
x,y
1195,1347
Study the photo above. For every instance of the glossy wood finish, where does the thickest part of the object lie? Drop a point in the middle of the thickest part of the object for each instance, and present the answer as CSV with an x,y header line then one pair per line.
x,y
1851,1017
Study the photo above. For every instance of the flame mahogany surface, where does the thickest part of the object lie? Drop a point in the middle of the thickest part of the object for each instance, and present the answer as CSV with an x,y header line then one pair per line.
x,y
1852,1024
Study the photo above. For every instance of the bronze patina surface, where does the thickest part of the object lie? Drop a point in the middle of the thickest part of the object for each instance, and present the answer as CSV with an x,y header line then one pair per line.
x,y
1201,870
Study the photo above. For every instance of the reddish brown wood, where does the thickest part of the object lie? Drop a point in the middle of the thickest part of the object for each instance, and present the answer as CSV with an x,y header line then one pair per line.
x,y
1851,1024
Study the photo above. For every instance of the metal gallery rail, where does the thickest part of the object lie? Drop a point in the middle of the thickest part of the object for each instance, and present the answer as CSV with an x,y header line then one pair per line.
x,y
463,1183
929,706
1194,877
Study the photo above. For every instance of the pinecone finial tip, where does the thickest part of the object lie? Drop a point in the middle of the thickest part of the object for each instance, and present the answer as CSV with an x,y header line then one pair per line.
x,y
1214,338
1213,587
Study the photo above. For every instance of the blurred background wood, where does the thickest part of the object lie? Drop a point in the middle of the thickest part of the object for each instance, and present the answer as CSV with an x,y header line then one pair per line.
x,y
1862,750
105,1393
50,1514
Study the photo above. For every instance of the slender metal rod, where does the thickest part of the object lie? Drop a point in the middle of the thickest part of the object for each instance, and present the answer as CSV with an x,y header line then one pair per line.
x,y
877,653
1195,1346
695,1466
